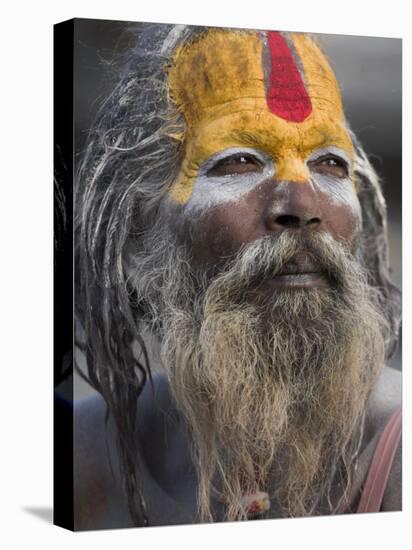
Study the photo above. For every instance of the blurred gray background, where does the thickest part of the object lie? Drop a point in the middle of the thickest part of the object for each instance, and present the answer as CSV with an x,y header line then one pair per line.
x,y
369,71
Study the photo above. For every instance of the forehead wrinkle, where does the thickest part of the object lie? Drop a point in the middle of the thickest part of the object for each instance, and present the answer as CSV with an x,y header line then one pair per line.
x,y
258,140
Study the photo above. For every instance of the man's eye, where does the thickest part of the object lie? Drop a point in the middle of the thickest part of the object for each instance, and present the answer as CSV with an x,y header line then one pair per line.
x,y
235,164
330,166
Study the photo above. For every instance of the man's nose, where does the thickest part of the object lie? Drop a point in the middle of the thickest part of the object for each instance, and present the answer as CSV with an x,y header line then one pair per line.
x,y
293,206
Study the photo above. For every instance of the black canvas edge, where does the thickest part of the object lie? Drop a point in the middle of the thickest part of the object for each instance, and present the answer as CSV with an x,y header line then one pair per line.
x,y
63,293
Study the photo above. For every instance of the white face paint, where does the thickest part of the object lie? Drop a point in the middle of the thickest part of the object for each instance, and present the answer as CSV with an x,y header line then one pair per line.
x,y
209,190
339,190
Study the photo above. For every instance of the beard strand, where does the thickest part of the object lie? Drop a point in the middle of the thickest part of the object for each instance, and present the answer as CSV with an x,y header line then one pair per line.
x,y
274,391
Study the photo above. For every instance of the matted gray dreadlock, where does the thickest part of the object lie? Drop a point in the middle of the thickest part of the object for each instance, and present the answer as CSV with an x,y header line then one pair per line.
x,y
130,161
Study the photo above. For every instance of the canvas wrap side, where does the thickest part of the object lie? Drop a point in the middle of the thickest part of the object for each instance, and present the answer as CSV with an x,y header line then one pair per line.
x,y
63,515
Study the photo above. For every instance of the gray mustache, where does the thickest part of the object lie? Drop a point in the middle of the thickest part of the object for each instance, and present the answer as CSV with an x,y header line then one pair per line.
x,y
288,254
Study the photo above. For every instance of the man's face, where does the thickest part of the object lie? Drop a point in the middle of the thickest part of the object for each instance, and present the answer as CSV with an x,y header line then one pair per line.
x,y
266,149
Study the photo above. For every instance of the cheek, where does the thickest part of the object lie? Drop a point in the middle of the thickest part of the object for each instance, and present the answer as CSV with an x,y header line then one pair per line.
x,y
340,206
222,215
219,232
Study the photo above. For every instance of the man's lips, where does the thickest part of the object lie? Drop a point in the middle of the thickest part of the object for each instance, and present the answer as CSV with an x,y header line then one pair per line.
x,y
301,272
300,280
300,266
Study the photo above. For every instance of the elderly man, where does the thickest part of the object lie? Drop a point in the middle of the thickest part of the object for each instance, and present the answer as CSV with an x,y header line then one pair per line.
x,y
233,298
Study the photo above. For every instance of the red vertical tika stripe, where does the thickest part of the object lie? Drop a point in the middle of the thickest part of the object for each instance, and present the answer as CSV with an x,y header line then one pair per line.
x,y
286,95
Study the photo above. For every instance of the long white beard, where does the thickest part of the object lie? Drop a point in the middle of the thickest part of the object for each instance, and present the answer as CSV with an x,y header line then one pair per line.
x,y
274,392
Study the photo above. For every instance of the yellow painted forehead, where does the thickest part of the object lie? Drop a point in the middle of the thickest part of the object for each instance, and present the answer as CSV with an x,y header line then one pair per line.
x,y
278,90
224,66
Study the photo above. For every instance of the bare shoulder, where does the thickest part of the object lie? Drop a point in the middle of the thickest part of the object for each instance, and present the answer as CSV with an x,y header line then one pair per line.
x,y
384,400
98,498
100,501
